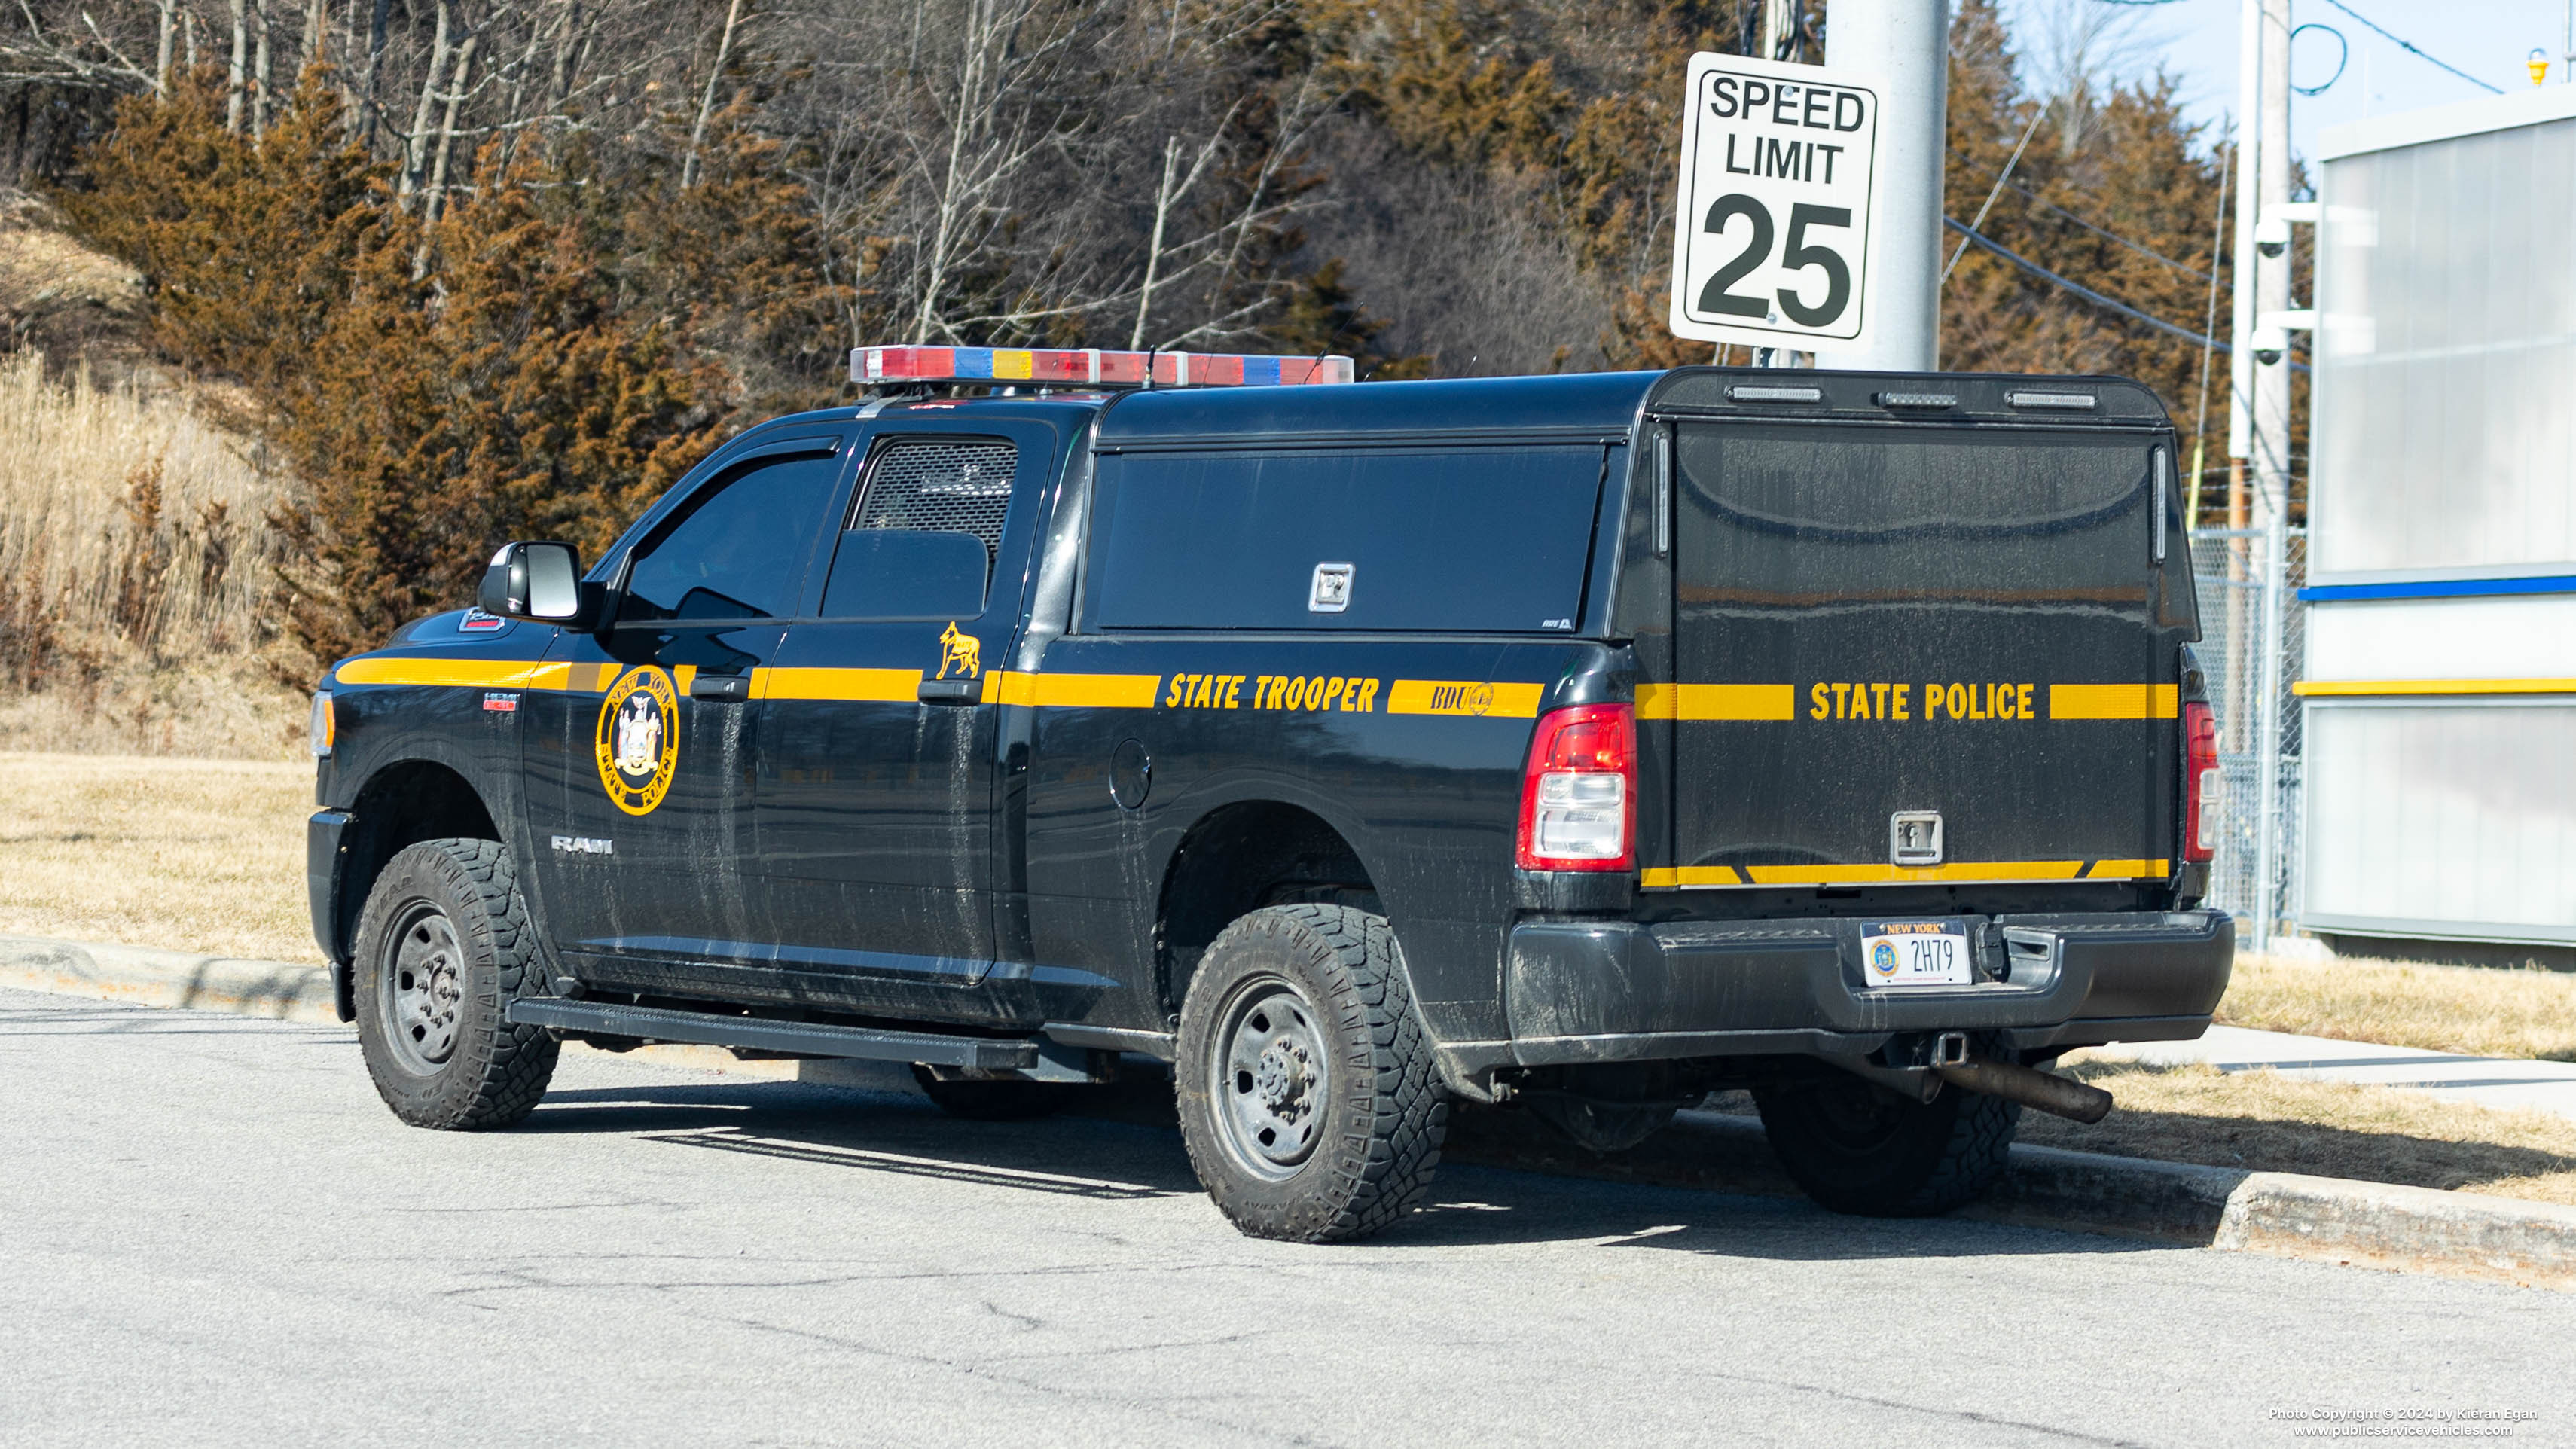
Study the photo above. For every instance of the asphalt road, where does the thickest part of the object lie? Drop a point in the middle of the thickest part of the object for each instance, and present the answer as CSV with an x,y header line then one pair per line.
x,y
214,1233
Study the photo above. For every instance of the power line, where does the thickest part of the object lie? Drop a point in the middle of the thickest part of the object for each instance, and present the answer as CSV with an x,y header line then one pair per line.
x,y
2078,288
2108,235
2088,294
2413,49
2002,179
2402,44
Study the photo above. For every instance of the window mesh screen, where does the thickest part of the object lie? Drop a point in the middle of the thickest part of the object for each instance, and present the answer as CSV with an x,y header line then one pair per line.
x,y
942,487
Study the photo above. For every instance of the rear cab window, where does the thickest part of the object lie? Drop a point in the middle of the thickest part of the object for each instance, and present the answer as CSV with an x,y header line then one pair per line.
x,y
1454,539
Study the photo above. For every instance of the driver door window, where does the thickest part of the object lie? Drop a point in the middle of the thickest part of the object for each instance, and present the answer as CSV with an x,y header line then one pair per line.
x,y
653,763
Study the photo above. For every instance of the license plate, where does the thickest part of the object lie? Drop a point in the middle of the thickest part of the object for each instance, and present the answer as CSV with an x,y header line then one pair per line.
x,y
1916,953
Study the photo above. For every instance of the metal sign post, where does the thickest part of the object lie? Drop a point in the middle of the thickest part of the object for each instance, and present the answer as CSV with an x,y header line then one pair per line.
x,y
1773,242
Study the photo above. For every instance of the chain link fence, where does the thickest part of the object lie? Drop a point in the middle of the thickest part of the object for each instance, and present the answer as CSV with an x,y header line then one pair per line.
x,y
2258,834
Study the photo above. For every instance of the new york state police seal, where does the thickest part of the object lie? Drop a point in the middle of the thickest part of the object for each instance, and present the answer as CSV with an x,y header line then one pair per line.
x,y
638,740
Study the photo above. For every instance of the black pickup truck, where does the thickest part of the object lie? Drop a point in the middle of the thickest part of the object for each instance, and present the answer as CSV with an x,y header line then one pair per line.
x,y
1579,744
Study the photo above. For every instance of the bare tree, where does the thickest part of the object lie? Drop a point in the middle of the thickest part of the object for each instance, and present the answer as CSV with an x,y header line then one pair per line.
x,y
707,102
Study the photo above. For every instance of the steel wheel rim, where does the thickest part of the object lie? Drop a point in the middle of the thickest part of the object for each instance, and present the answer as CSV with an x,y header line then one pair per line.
x,y
1856,1116
1270,1078
422,990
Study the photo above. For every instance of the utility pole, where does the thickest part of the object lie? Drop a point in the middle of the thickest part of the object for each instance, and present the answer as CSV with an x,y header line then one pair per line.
x,y
2268,453
1778,39
2240,368
1904,47
1778,25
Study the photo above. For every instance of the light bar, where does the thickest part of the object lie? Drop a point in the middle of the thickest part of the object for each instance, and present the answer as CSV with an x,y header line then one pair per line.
x,y
1089,366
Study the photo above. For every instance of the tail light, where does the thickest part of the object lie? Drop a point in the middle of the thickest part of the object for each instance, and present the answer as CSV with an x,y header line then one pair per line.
x,y
1579,790
2202,785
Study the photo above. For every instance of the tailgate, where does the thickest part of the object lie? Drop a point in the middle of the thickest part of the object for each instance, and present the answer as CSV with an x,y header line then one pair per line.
x,y
1882,621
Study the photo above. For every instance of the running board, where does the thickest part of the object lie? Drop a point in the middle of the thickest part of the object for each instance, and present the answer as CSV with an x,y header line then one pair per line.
x,y
805,1038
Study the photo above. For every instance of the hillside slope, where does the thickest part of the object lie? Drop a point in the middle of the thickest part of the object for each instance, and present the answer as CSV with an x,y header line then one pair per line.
x,y
138,589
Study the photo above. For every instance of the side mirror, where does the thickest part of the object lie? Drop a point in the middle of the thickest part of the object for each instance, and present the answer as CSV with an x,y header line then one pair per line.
x,y
539,581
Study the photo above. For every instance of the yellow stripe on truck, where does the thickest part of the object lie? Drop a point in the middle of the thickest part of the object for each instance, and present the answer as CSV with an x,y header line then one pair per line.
x,y
2129,870
576,678
1692,875
883,685
2114,701
1072,691
479,674
1671,877
1717,701
468,673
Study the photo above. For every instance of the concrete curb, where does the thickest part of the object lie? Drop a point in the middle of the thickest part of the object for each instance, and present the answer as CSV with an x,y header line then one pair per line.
x,y
147,977
2319,1219
2282,1214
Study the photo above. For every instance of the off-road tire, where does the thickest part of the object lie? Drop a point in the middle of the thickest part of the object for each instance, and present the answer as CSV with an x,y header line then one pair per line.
x,y
1382,1114
1856,1147
491,1072
995,1101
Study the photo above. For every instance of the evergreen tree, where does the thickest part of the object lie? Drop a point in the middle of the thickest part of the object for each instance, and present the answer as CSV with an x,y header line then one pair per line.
x,y
247,249
2127,210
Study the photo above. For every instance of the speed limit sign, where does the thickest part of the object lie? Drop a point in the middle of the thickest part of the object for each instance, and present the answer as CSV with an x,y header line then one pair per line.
x,y
1771,242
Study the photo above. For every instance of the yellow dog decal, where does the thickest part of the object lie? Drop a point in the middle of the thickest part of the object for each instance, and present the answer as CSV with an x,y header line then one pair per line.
x,y
962,651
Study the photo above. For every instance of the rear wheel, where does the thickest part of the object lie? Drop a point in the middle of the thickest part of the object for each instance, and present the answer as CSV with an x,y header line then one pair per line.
x,y
443,946
1308,1101
1856,1147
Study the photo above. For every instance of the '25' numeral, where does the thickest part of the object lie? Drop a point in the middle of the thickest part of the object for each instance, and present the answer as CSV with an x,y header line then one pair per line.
x,y
1797,256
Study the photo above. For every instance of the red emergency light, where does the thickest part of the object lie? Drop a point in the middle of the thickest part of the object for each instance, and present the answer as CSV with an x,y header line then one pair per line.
x,y
1089,367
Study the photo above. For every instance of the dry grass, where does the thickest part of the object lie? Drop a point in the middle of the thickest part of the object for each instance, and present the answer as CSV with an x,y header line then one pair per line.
x,y
2480,1011
2265,1122
190,855
138,590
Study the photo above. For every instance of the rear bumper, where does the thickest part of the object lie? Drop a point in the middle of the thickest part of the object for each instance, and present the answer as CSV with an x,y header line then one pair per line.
x,y
1599,991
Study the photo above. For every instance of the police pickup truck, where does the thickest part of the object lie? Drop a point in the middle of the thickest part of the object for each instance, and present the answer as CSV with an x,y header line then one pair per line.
x,y
1582,744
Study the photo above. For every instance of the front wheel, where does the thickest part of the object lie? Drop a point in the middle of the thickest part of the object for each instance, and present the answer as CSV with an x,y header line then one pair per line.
x,y
1856,1147
1308,1100
443,946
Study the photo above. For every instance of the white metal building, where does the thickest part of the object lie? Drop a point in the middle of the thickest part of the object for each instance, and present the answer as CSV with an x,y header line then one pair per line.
x,y
2440,678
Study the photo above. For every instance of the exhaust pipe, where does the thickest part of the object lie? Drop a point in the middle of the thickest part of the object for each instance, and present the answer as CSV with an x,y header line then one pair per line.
x,y
2058,1096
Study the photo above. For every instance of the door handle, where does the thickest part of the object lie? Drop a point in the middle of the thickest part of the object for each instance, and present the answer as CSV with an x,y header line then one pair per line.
x,y
722,688
952,691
